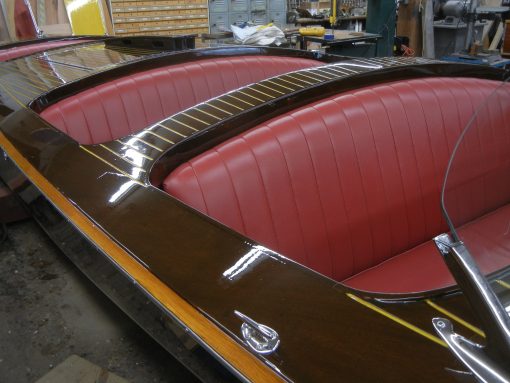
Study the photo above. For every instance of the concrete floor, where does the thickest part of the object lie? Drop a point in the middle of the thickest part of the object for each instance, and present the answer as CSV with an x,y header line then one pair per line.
x,y
49,311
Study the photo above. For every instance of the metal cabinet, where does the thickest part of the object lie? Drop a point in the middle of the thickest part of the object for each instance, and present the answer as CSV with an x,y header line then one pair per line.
x,y
238,18
238,5
218,6
223,13
259,18
279,18
258,5
219,22
277,5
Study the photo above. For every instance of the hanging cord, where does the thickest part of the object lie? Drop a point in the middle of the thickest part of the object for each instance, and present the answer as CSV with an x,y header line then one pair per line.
x,y
408,52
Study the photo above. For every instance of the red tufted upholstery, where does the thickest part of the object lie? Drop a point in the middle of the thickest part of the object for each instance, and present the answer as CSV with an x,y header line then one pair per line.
x,y
348,186
422,269
129,104
25,50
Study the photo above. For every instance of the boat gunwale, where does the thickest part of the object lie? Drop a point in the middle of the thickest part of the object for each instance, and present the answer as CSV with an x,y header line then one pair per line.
x,y
91,223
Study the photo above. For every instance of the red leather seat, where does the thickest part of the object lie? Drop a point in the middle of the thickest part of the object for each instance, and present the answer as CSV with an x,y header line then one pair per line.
x,y
129,104
25,50
348,186
422,269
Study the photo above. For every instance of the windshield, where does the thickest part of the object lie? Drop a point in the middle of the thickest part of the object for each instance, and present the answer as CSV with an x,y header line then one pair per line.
x,y
476,192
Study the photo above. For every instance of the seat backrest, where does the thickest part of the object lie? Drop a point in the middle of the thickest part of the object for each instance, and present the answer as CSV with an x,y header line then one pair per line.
x,y
129,104
342,184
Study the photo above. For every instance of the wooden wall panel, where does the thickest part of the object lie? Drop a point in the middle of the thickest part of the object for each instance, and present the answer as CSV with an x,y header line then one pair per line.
x,y
55,12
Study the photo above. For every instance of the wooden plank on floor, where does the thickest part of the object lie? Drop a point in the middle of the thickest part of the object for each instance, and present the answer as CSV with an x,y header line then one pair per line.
x,y
78,370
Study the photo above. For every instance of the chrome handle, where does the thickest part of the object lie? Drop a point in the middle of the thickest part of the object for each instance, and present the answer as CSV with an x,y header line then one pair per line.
x,y
260,338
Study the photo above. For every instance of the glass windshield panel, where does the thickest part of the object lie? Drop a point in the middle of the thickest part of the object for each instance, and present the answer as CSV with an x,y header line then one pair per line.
x,y
476,192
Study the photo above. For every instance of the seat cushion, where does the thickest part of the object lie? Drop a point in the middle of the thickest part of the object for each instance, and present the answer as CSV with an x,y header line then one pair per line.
x,y
129,104
423,269
344,184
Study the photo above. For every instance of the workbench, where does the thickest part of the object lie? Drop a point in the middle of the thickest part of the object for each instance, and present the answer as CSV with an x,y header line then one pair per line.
x,y
346,43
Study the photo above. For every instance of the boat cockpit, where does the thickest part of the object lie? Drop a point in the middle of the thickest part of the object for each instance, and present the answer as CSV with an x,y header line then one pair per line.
x,y
344,185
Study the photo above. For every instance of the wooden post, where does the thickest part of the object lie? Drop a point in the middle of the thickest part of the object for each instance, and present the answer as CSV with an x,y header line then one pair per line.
x,y
409,24
427,23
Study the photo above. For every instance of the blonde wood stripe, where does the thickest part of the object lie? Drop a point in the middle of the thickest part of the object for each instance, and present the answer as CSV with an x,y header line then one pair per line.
x,y
394,318
259,91
238,99
228,103
208,114
148,143
455,318
321,71
221,110
30,83
247,364
333,74
268,87
337,70
283,86
23,89
195,118
249,95
159,136
19,93
171,130
13,96
307,75
368,62
183,124
122,157
300,79
137,150
503,283
291,83
33,78
344,68
111,165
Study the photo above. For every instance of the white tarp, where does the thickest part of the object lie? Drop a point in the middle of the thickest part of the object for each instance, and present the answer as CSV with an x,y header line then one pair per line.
x,y
259,35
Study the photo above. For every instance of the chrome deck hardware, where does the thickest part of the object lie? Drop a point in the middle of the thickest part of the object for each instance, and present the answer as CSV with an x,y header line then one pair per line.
x,y
261,338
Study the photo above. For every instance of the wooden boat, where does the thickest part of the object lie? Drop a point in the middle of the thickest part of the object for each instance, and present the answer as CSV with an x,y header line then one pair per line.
x,y
279,206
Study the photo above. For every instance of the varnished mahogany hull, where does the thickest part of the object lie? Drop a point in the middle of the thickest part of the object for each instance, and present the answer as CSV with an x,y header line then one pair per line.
x,y
179,258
